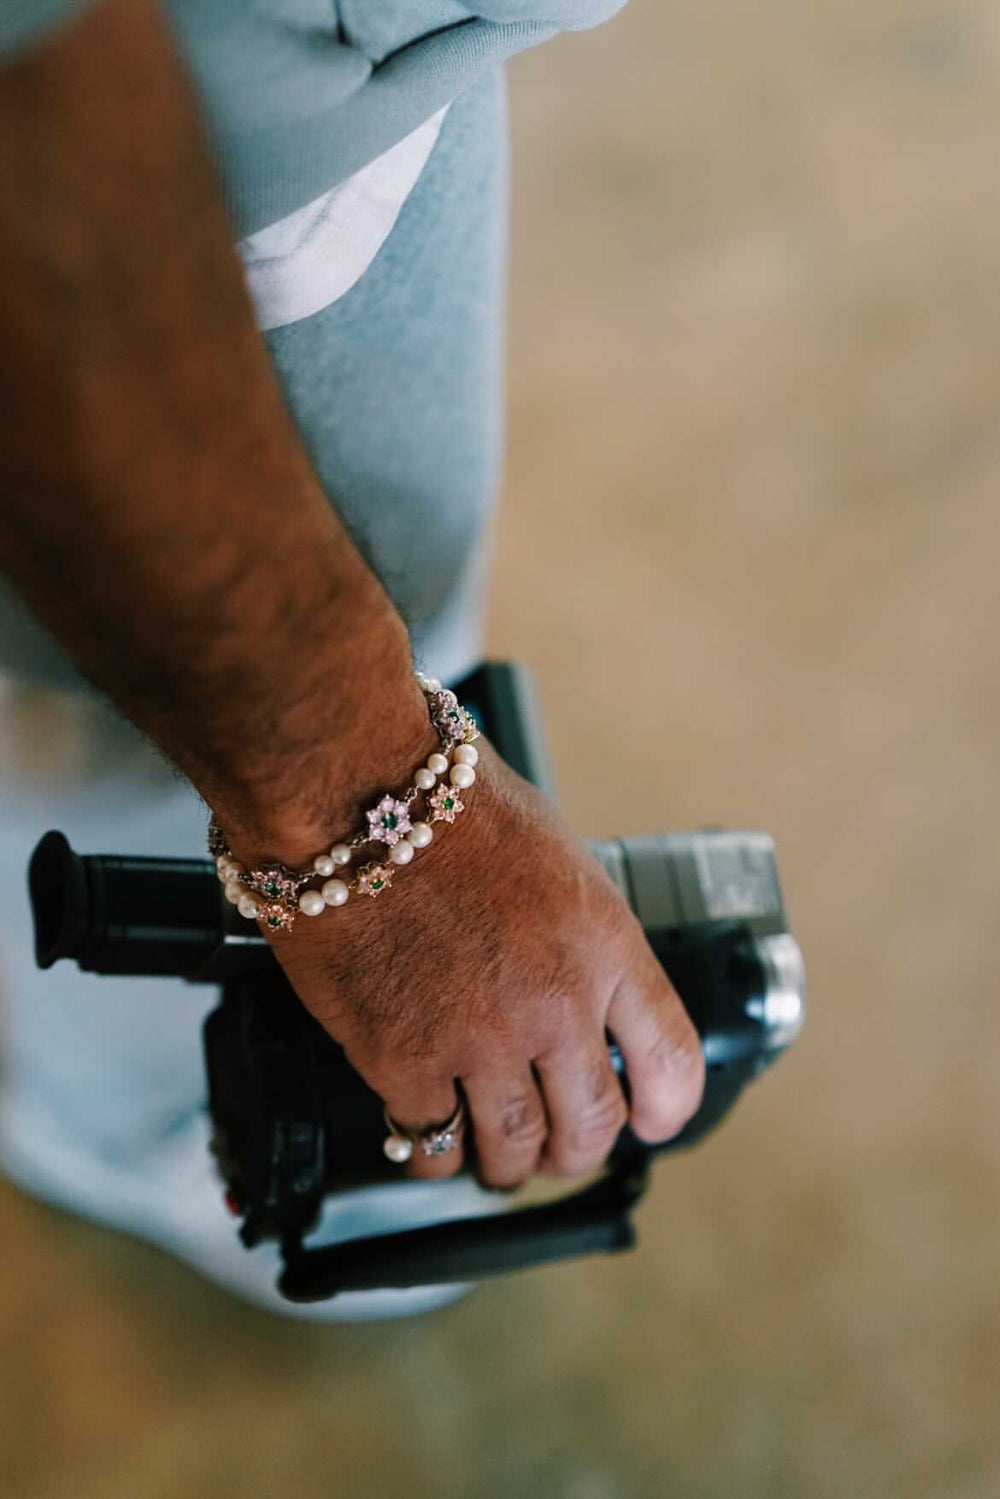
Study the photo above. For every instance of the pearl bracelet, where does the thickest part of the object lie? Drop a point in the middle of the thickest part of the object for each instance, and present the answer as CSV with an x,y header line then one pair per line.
x,y
274,894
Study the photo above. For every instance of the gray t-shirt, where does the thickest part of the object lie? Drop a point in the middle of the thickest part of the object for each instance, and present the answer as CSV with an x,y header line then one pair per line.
x,y
301,94
400,413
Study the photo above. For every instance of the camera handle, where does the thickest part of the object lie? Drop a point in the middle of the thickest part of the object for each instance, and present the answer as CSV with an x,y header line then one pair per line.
x,y
596,1220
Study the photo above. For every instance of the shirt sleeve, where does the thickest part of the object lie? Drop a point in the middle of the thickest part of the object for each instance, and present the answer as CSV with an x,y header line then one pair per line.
x,y
24,23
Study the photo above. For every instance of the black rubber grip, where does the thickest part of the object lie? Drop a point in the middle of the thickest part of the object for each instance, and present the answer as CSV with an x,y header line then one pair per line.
x,y
594,1221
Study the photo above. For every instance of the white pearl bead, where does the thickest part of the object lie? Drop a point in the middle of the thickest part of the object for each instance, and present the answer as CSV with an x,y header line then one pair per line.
x,y
221,861
233,892
401,852
311,902
432,684
340,853
335,893
235,868
420,835
323,864
462,776
247,906
438,763
466,754
398,1149
424,780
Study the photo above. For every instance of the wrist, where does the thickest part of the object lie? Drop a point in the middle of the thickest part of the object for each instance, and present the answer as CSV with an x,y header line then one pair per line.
x,y
399,822
314,796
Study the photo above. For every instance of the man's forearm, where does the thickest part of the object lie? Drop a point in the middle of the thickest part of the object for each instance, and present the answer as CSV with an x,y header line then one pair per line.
x,y
159,513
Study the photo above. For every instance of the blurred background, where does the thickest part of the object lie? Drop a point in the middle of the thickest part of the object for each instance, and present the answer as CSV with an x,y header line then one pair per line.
x,y
749,546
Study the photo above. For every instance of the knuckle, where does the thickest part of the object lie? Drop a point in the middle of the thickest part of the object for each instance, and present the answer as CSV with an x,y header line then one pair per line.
x,y
585,1144
522,1124
582,1141
599,1082
596,1127
511,1142
660,1112
668,1054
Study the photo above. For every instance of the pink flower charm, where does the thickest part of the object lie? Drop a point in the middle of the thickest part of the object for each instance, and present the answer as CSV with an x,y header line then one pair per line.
x,y
275,881
373,879
275,917
446,804
388,821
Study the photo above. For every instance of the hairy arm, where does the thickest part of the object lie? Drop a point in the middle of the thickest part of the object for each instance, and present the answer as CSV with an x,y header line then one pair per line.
x,y
159,513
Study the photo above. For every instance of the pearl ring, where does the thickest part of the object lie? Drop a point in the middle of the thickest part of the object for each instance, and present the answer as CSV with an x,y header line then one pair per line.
x,y
438,1140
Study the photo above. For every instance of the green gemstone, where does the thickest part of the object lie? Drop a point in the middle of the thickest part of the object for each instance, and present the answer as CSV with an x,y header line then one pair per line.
x,y
270,888
449,802
274,921
377,884
390,820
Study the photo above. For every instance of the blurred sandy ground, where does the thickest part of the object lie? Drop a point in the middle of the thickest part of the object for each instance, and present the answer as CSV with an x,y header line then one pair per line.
x,y
750,545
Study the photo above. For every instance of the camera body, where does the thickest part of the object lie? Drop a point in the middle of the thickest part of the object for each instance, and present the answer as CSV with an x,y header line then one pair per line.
x,y
294,1124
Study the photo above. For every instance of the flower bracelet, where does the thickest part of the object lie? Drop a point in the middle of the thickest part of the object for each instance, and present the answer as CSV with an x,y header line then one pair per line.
x,y
274,894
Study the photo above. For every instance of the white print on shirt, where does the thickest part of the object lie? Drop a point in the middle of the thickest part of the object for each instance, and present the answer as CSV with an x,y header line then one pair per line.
x,y
308,260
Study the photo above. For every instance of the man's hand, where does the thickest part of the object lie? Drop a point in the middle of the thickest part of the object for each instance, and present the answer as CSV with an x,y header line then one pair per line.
x,y
495,965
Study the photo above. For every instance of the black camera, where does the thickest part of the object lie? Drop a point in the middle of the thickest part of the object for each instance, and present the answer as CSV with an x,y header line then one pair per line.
x,y
293,1122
